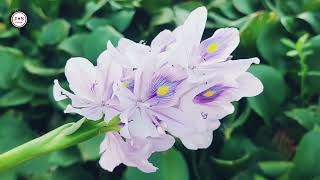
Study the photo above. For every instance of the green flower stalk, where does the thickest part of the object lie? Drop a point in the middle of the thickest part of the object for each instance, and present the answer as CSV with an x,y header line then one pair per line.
x,y
63,137
300,50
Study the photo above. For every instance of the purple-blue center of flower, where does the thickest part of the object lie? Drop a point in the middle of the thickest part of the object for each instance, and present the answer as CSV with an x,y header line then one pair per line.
x,y
210,94
162,89
129,84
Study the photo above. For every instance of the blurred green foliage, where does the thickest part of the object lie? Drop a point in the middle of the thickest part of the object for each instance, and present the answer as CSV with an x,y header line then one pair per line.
x,y
272,136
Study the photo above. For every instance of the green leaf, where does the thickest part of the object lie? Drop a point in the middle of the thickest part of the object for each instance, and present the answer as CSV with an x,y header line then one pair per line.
x,y
13,131
307,160
226,8
269,101
91,8
312,18
270,47
122,19
89,150
74,44
97,41
54,32
171,166
66,157
221,22
11,63
245,6
8,175
288,42
259,177
306,117
48,9
9,33
289,23
36,167
119,20
15,97
71,173
313,80
34,84
250,31
162,16
275,168
155,5
302,42
94,23
236,148
292,53
35,67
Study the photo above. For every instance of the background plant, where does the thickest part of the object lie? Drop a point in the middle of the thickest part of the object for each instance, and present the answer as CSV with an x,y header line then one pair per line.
x,y
272,136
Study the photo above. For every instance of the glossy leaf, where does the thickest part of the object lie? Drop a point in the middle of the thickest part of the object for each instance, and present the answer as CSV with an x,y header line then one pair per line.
x,y
275,168
15,97
245,6
90,149
97,41
54,32
171,166
306,117
11,64
74,44
34,67
268,103
307,159
270,47
14,131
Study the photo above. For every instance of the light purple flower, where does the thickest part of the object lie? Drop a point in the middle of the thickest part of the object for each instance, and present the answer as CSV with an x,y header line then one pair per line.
x,y
153,102
211,101
129,54
179,85
92,87
133,152
202,59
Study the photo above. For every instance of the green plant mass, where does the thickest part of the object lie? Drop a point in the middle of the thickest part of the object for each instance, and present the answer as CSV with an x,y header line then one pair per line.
x,y
274,135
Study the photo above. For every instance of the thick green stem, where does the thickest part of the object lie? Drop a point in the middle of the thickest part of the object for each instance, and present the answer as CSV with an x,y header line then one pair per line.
x,y
57,139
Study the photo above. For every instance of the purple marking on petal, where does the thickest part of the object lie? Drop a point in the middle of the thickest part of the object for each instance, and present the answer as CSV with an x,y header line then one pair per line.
x,y
217,90
163,81
164,48
122,124
203,48
93,86
130,84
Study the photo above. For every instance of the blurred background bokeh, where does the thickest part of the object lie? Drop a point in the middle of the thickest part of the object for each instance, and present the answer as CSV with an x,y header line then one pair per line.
x,y
272,136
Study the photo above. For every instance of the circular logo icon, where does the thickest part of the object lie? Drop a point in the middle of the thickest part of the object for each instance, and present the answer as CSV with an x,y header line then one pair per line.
x,y
19,19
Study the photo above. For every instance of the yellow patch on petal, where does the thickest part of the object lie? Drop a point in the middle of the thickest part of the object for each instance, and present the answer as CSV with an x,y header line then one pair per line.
x,y
208,93
162,90
125,84
213,47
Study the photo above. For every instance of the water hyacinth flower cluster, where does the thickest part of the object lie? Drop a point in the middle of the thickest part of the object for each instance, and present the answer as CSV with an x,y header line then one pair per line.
x,y
178,87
